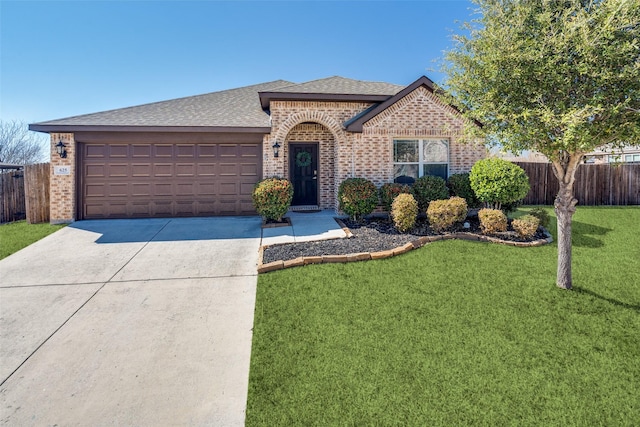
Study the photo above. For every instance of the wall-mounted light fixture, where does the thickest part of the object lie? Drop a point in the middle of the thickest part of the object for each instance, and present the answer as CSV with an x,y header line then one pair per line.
x,y
60,149
276,149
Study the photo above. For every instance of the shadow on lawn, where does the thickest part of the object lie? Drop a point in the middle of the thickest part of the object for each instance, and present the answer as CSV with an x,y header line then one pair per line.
x,y
609,300
583,235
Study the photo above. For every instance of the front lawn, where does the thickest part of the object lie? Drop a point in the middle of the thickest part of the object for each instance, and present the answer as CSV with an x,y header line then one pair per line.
x,y
456,333
17,235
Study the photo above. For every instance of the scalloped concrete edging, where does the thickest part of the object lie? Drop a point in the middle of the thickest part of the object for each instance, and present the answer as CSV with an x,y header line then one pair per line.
x,y
365,256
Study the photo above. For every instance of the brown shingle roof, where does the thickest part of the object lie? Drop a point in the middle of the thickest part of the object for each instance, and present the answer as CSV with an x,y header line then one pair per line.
x,y
241,109
228,108
340,85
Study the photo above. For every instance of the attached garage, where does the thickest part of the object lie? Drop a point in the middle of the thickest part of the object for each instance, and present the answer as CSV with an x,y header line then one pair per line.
x,y
166,175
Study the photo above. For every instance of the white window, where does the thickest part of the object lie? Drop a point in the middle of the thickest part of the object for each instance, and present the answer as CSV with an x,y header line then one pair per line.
x,y
632,157
413,158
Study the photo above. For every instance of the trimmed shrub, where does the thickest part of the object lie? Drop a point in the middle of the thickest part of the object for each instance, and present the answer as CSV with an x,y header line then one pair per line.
x,y
443,214
357,197
525,226
272,197
460,186
388,192
492,220
542,215
428,188
404,211
498,182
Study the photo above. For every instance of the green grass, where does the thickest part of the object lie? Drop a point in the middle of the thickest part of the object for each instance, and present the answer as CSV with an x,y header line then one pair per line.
x,y
17,235
456,333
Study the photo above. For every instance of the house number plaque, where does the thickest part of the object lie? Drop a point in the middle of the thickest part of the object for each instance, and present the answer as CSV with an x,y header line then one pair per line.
x,y
62,170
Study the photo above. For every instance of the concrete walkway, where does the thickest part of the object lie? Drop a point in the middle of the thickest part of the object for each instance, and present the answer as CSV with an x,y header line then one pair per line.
x,y
305,227
130,322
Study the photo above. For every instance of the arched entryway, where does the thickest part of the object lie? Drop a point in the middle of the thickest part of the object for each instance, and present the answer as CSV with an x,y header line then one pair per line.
x,y
310,166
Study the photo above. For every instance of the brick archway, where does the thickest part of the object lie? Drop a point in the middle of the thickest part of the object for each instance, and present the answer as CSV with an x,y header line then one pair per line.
x,y
310,116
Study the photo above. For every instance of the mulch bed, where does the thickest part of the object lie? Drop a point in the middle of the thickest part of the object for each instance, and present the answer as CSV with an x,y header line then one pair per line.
x,y
374,235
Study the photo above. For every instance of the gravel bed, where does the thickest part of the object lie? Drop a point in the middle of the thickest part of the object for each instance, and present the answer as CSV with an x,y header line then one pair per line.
x,y
370,235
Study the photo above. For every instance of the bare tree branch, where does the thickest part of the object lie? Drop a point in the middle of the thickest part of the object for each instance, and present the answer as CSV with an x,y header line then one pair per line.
x,y
18,145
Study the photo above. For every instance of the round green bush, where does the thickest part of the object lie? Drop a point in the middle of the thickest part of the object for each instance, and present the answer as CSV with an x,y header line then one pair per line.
x,y
357,197
428,188
404,211
498,182
460,186
388,192
272,197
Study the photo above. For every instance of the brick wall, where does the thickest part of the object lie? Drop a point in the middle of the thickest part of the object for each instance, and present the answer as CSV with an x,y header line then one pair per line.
x,y
368,154
63,187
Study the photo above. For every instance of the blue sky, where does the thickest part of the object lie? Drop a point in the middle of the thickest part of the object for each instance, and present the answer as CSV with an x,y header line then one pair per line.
x,y
60,59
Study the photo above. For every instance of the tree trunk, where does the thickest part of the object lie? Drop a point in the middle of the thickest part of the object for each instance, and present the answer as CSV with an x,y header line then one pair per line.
x,y
565,206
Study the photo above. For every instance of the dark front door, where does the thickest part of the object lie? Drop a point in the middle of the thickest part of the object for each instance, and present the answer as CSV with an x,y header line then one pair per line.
x,y
303,169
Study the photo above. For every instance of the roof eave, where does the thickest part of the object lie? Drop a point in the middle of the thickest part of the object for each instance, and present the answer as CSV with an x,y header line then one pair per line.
x,y
48,128
267,97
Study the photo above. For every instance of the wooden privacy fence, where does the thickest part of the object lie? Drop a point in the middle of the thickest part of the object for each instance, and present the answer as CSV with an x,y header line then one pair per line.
x,y
36,189
604,184
12,197
25,194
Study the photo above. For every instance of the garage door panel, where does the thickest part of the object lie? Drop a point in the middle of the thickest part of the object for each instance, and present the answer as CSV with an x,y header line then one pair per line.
x,y
163,180
163,150
140,209
228,169
206,188
96,152
163,208
184,150
185,169
116,150
246,188
97,170
248,169
185,189
95,190
141,189
115,170
163,169
117,189
140,169
141,151
207,150
206,169
162,189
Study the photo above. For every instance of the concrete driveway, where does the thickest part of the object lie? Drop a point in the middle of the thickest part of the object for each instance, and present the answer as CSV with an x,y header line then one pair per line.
x,y
130,322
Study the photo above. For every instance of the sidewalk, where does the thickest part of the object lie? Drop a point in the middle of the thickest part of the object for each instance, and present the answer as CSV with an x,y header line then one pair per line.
x,y
305,227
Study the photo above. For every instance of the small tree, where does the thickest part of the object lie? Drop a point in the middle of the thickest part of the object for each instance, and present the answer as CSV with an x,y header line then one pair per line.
x,y
559,77
498,182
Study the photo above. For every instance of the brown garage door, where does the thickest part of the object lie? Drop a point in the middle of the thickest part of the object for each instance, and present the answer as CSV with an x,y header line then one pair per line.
x,y
135,180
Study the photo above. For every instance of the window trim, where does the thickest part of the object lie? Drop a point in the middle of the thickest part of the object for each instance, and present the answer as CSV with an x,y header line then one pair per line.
x,y
421,161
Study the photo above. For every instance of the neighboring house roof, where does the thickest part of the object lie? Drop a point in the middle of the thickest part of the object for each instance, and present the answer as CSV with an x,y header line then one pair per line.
x,y
227,110
334,88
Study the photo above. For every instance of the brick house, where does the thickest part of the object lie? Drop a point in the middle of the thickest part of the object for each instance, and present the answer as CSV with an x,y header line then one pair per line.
x,y
202,155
